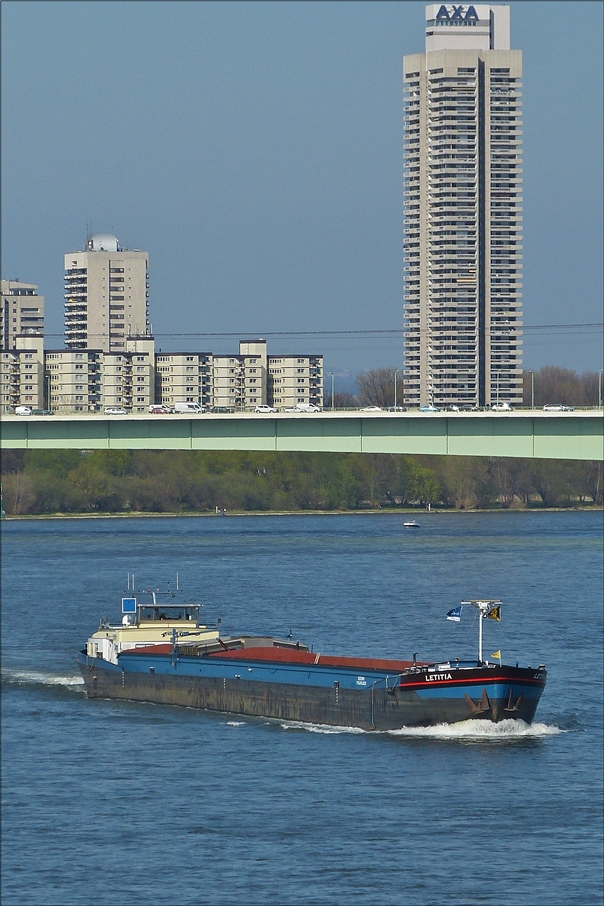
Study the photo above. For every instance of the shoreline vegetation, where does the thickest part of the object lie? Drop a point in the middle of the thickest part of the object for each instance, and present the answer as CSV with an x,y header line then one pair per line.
x,y
124,483
131,514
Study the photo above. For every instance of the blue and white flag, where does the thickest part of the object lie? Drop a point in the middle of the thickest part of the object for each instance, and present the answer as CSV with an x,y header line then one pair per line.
x,y
455,614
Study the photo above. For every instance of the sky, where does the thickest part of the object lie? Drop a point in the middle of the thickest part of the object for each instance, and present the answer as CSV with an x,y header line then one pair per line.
x,y
255,151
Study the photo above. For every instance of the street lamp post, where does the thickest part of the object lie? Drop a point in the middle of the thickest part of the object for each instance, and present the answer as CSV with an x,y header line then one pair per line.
x,y
532,373
395,382
600,389
333,405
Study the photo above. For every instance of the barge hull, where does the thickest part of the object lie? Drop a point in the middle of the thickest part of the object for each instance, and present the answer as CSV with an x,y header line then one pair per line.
x,y
368,709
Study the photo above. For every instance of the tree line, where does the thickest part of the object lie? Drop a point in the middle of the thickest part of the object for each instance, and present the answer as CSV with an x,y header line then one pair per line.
x,y
37,482
551,384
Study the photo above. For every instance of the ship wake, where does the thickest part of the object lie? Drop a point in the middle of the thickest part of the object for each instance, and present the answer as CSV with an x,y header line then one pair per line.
x,y
479,731
468,731
41,679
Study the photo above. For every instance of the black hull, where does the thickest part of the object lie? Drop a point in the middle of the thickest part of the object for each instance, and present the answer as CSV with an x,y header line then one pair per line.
x,y
368,709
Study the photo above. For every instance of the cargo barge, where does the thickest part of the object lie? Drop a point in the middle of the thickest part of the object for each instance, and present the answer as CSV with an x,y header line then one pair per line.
x,y
162,653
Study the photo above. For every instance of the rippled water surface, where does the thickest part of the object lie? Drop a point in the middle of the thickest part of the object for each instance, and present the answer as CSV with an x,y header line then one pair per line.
x,y
121,803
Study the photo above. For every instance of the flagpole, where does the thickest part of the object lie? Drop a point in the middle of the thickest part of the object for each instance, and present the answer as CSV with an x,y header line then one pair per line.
x,y
480,618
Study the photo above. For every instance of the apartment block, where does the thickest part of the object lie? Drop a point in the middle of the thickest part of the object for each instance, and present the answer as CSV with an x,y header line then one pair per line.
x,y
74,380
184,377
463,210
295,379
22,374
88,380
128,377
240,380
21,311
106,295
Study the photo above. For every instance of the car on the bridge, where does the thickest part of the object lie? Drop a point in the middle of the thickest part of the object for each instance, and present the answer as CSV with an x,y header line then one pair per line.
x,y
159,409
42,412
558,407
372,409
23,410
501,407
429,408
115,410
263,410
194,408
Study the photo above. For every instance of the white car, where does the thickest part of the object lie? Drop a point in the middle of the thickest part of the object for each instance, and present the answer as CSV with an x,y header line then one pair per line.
x,y
501,407
372,409
558,407
115,410
264,409
23,410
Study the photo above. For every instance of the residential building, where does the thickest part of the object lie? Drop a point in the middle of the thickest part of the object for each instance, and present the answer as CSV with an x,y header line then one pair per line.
x,y
106,295
183,377
128,377
74,380
22,374
295,379
21,311
88,380
239,381
462,209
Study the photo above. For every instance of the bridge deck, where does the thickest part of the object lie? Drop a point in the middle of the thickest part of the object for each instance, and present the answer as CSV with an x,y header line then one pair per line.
x,y
538,434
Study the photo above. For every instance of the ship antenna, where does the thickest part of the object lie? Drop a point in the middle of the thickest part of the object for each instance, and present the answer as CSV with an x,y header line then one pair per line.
x,y
176,581
483,608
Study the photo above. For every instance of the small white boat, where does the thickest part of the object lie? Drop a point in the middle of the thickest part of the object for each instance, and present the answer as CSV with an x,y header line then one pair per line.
x,y
412,524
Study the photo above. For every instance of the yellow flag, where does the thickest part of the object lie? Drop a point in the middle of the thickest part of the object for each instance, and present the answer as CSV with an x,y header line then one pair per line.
x,y
496,654
495,613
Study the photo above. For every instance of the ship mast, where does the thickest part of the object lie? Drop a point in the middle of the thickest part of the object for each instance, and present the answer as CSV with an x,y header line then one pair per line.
x,y
484,608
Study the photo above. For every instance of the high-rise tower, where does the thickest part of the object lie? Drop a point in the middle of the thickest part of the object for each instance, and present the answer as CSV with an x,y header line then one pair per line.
x,y
462,207
106,295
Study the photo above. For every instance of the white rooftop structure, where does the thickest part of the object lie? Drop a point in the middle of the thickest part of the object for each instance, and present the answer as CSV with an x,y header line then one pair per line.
x,y
467,27
101,242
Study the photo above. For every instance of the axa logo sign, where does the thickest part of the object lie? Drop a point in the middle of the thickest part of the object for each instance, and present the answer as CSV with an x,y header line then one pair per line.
x,y
456,14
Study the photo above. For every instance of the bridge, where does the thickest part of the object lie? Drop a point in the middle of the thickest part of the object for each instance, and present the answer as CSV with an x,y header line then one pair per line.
x,y
523,433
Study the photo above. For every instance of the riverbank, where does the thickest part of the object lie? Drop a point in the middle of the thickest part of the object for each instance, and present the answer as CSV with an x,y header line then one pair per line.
x,y
368,512
49,482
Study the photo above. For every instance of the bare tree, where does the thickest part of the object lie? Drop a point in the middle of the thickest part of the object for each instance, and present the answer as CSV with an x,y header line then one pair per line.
x,y
376,387
560,385
341,401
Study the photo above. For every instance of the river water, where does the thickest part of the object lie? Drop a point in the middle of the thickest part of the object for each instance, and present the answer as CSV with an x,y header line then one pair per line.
x,y
123,803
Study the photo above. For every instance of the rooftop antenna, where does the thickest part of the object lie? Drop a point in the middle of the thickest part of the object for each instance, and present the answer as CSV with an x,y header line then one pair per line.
x,y
176,581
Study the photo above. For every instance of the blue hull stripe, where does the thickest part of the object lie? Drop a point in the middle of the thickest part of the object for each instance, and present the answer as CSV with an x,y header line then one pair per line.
x,y
165,665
